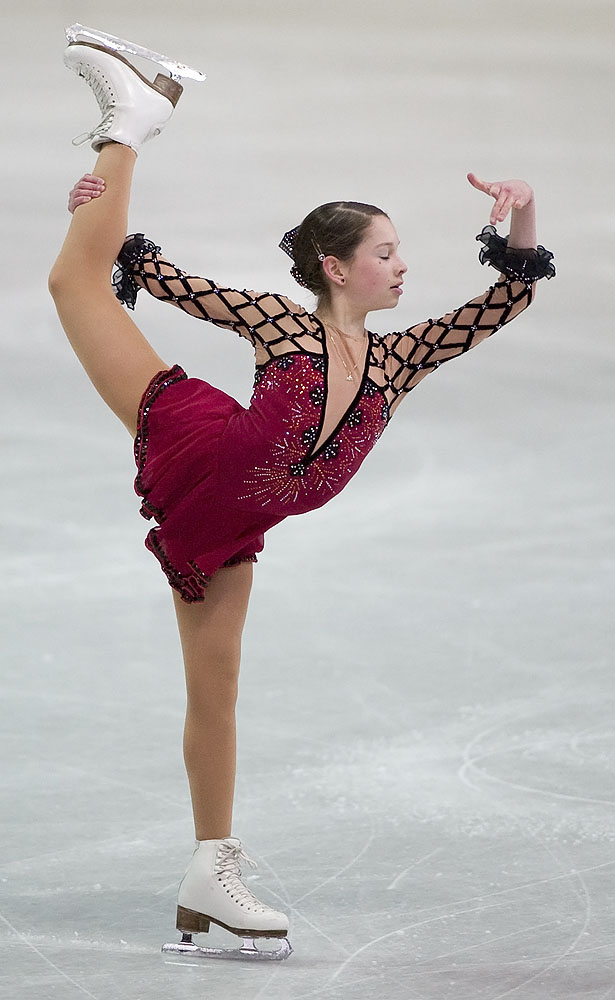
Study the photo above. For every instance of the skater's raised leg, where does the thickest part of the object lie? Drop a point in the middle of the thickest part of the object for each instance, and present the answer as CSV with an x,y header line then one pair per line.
x,y
115,354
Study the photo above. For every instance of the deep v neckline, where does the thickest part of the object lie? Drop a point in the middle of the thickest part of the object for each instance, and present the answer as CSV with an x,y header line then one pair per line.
x,y
321,443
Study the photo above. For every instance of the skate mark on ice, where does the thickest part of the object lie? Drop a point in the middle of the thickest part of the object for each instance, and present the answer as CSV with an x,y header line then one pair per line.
x,y
415,864
345,868
333,991
116,783
571,947
503,892
297,913
470,765
264,990
285,897
170,889
400,931
492,940
515,888
580,952
47,961
318,930
583,734
80,943
470,762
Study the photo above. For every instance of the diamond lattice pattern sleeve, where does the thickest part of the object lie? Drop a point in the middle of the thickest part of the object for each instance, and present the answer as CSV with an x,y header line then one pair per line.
x,y
412,354
268,320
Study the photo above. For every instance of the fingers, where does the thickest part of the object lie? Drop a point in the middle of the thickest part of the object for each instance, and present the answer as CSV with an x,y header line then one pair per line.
x,y
506,194
478,184
503,198
86,188
503,204
91,181
509,195
90,185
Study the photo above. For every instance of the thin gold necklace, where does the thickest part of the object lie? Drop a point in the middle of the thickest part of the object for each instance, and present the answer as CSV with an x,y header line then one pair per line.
x,y
349,371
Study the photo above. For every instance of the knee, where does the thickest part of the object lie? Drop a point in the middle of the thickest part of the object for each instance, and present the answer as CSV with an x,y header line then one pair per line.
x,y
63,279
57,281
213,682
68,277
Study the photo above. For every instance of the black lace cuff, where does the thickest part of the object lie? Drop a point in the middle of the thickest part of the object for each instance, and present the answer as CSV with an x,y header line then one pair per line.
x,y
129,259
521,265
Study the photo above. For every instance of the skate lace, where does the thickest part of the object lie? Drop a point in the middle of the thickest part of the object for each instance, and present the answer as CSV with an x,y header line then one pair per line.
x,y
229,872
107,108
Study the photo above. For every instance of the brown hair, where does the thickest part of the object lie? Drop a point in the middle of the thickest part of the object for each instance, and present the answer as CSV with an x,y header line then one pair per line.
x,y
335,229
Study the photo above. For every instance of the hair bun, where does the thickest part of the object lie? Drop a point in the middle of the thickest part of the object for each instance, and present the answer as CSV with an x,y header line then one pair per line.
x,y
339,228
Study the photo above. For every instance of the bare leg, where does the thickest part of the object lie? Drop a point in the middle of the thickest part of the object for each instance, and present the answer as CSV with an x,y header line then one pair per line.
x,y
211,643
111,348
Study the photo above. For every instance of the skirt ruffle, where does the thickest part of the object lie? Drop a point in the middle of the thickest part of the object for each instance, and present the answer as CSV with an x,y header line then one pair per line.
x,y
176,451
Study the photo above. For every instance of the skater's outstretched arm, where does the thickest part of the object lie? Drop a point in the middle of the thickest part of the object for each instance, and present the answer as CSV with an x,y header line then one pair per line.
x,y
417,351
414,353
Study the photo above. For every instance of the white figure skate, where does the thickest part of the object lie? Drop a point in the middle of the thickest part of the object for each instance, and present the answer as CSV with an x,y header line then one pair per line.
x,y
212,891
133,108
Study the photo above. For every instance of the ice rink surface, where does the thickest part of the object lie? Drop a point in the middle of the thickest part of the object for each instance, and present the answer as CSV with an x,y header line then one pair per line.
x,y
426,746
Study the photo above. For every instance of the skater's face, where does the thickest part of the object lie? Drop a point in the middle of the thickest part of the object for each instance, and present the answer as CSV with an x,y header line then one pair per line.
x,y
373,277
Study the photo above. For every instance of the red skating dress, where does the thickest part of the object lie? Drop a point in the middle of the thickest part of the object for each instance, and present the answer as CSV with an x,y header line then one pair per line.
x,y
216,476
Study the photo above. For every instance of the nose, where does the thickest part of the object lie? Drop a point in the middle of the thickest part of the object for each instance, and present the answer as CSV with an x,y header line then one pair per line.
x,y
402,266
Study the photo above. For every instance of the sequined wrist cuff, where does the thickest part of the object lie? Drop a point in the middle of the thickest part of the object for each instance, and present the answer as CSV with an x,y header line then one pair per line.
x,y
521,265
129,260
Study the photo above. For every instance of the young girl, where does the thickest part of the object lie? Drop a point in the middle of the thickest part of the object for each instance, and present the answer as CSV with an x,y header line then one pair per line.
x,y
216,476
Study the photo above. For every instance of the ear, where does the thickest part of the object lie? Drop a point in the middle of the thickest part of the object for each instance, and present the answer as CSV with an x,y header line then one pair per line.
x,y
333,269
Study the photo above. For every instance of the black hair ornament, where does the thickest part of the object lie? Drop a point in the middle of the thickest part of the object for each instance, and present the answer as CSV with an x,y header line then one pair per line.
x,y
287,244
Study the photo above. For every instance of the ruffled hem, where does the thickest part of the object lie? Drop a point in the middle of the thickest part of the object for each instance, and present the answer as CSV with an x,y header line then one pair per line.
x,y
130,258
521,265
158,384
191,588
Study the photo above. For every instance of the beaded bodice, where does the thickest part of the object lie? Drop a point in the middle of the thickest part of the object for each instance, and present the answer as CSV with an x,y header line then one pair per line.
x,y
308,428
276,456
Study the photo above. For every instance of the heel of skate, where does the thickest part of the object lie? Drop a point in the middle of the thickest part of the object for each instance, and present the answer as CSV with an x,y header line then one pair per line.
x,y
190,922
169,88
78,33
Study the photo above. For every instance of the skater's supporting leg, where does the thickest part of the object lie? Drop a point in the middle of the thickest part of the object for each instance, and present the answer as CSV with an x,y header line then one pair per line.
x,y
211,643
111,348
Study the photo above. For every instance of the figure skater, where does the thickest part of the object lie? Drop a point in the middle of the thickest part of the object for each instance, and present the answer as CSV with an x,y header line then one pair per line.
x,y
215,476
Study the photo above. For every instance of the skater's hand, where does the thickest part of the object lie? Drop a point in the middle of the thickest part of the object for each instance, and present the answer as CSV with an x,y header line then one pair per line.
x,y
507,195
85,189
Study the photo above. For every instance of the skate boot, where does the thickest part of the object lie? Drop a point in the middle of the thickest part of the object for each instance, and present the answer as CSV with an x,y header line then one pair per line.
x,y
133,108
212,891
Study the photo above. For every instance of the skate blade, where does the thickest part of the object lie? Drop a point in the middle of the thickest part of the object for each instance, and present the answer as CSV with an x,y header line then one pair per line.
x,y
247,953
79,33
